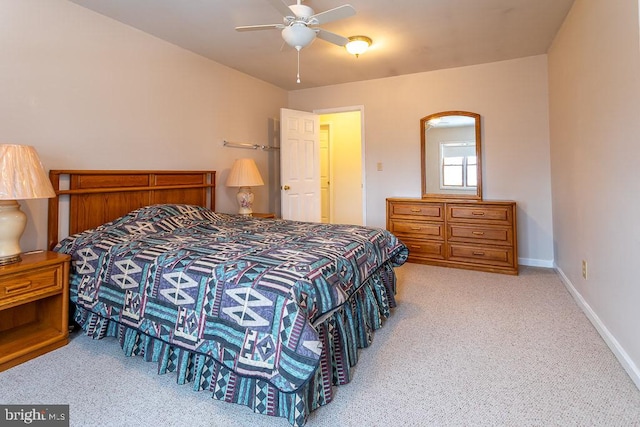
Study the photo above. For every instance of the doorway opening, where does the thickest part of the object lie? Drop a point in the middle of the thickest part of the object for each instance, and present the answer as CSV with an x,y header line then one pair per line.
x,y
342,161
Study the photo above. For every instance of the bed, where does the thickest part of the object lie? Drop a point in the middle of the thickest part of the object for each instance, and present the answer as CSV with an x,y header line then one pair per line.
x,y
267,313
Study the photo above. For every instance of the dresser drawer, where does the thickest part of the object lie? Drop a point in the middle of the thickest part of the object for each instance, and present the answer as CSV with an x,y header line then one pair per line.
x,y
480,234
494,256
485,214
427,230
29,284
418,211
424,249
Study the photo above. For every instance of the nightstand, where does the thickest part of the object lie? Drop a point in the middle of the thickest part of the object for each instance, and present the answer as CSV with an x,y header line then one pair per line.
x,y
34,307
263,215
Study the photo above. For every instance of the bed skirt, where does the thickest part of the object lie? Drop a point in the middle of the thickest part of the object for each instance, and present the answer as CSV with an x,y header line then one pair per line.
x,y
342,333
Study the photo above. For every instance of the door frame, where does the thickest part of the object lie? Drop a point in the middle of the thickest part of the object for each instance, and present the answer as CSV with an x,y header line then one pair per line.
x,y
330,160
348,109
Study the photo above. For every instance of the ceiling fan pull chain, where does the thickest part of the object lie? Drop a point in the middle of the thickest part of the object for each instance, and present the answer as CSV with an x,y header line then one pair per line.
x,y
298,81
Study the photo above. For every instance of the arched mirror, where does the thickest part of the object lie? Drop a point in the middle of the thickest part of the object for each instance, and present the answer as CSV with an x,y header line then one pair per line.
x,y
450,147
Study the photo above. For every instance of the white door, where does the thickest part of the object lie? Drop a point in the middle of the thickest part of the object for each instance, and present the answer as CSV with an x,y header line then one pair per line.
x,y
300,165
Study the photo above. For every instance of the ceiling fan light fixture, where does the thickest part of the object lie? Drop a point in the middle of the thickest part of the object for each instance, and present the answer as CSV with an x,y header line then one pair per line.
x,y
298,36
358,45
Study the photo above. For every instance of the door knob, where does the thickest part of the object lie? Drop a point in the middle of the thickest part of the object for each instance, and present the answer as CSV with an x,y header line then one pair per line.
x,y
286,187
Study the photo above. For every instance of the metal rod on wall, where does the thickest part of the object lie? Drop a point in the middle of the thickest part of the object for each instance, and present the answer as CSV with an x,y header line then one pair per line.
x,y
249,146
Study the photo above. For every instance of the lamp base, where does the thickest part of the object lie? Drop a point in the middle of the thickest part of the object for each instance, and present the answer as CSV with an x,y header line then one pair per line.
x,y
245,200
10,260
12,224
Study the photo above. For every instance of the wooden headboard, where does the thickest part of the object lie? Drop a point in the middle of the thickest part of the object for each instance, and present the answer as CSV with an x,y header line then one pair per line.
x,y
99,196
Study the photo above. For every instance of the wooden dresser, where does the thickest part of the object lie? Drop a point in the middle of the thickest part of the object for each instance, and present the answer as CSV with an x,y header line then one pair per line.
x,y
476,235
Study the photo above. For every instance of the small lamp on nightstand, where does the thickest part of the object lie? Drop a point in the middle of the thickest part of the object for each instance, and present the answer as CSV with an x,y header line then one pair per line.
x,y
244,174
22,177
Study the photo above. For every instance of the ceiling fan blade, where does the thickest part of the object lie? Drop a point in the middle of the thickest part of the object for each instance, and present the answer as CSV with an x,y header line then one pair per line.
x,y
331,37
334,14
260,27
282,8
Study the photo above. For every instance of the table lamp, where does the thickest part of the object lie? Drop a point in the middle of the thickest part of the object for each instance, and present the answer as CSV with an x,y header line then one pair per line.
x,y
22,177
244,174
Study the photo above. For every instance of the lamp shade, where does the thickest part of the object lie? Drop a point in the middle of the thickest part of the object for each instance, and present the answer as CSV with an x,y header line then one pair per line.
x,y
23,176
244,173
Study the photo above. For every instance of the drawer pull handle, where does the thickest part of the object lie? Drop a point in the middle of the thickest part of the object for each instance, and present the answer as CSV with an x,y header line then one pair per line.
x,y
415,210
416,228
478,233
478,253
18,287
477,213
415,247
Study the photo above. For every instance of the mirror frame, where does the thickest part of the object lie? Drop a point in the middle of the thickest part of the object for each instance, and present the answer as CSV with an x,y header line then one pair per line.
x,y
423,155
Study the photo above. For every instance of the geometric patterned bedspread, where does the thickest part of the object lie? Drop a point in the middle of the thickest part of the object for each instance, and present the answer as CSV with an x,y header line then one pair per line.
x,y
245,291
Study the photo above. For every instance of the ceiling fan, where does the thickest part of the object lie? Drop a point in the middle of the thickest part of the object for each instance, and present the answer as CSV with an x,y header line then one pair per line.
x,y
300,25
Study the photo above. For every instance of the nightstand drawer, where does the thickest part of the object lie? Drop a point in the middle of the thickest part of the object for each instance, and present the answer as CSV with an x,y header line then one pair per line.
x,y
29,284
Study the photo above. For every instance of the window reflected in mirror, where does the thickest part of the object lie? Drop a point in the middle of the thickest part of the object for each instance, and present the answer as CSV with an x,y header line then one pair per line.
x,y
458,165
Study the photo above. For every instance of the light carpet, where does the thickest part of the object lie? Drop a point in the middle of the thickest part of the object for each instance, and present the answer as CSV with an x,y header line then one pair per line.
x,y
462,348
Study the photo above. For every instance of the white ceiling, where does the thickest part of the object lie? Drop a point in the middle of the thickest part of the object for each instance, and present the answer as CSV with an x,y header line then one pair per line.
x,y
409,36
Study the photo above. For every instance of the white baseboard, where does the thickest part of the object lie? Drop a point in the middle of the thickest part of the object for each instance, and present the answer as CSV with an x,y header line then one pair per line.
x,y
608,338
536,262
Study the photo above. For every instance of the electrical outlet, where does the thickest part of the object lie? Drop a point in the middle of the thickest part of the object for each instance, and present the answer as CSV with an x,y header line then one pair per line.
x,y
584,269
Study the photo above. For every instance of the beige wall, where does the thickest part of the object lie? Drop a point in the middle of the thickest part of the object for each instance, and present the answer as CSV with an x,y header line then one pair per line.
x,y
594,85
346,159
511,97
89,92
